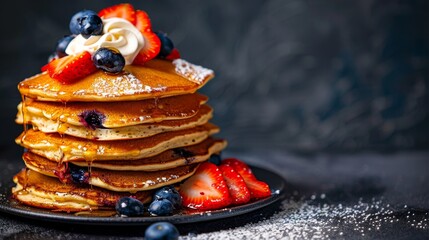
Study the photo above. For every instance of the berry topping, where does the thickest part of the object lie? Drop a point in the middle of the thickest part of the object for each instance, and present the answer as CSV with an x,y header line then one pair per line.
x,y
215,159
78,174
143,23
161,231
173,55
152,43
206,189
124,10
238,190
130,207
92,119
87,23
166,45
62,45
109,60
183,153
169,193
161,207
68,69
258,189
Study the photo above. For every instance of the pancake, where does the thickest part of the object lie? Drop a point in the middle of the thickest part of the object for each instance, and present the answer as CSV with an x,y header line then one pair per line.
x,y
157,78
168,159
124,133
118,181
37,190
58,147
116,114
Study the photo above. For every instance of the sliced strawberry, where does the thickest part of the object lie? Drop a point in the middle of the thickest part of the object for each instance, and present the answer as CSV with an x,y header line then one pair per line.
x,y
206,189
173,55
71,68
143,21
238,190
239,166
152,45
46,66
258,189
124,10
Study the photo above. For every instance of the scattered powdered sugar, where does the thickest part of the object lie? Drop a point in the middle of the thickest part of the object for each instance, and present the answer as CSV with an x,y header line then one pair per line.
x,y
148,183
307,220
44,87
80,92
122,85
192,72
100,150
130,85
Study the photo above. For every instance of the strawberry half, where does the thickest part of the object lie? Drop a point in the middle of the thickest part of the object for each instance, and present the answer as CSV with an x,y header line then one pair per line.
x,y
124,10
238,190
206,189
258,189
70,68
152,44
143,22
173,55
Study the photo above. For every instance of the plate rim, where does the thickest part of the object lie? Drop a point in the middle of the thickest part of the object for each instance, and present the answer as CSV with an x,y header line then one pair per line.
x,y
69,218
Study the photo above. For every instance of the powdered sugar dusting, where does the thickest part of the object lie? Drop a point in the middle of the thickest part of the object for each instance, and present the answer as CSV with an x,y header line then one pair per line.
x,y
43,87
122,85
192,72
300,219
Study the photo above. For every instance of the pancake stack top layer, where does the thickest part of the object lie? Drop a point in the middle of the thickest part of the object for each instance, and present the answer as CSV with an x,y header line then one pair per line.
x,y
107,135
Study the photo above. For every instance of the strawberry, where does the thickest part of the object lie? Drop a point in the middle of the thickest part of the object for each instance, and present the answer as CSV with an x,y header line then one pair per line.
x,y
152,45
124,10
258,189
206,189
143,22
173,55
238,190
70,68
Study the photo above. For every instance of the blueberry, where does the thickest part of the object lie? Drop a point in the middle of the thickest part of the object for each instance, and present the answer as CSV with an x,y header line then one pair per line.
x,y
183,153
109,60
92,119
166,45
169,193
216,159
62,45
161,231
78,175
130,207
87,23
161,207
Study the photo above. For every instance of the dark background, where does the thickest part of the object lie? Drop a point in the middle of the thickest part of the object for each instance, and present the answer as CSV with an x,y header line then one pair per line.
x,y
297,75
332,95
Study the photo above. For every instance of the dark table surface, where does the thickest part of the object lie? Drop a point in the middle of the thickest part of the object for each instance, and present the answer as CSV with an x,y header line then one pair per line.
x,y
329,195
312,76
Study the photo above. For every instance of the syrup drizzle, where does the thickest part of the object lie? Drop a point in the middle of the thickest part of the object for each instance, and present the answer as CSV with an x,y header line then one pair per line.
x,y
89,163
61,126
26,178
24,109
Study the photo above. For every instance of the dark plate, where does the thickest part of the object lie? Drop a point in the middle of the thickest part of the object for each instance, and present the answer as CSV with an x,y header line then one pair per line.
x,y
276,182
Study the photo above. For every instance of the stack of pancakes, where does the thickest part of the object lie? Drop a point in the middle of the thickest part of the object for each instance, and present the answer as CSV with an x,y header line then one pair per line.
x,y
109,136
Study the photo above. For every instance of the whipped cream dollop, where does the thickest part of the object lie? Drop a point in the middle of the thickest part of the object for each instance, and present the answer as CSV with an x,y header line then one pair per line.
x,y
117,33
